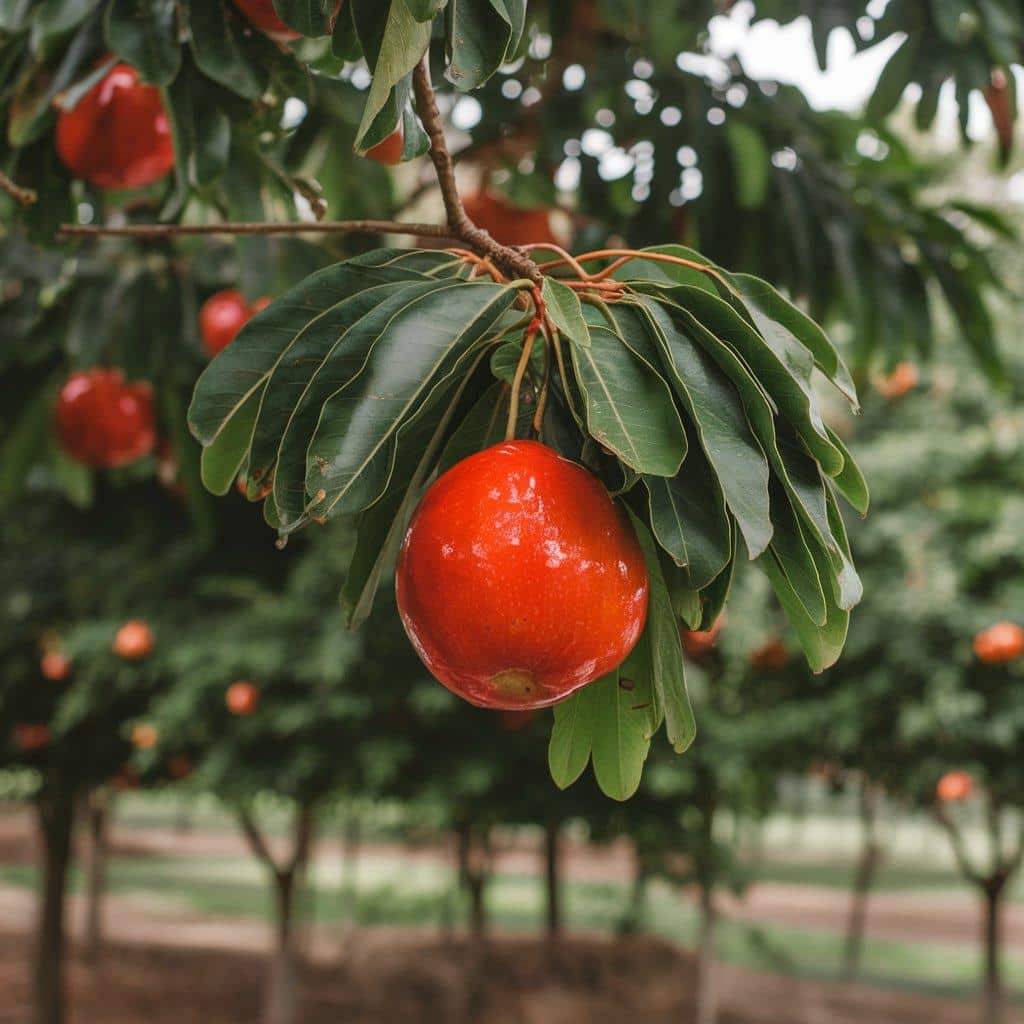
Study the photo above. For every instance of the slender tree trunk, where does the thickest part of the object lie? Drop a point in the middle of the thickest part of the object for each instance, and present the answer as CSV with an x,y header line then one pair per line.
x,y
282,992
636,912
993,1000
473,875
349,882
552,879
707,987
870,856
97,817
55,809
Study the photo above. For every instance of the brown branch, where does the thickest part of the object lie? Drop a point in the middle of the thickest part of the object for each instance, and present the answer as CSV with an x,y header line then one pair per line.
x,y
303,836
327,227
256,841
515,263
20,194
956,840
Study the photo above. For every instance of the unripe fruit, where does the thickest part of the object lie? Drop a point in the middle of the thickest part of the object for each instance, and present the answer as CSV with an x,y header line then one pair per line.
x,y
118,135
519,581
104,422
902,380
242,698
144,736
507,223
390,150
29,737
134,640
1000,643
954,787
699,643
55,666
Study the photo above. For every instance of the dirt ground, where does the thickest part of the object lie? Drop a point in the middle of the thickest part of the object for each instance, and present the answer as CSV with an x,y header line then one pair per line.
x,y
389,979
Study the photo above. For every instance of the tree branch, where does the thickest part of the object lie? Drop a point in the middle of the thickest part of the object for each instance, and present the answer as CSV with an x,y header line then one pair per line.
x,y
20,194
956,840
256,841
327,227
515,263
303,835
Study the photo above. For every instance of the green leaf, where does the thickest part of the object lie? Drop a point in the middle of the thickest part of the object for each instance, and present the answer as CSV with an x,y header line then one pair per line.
x,y
571,737
23,445
620,727
482,427
480,36
144,33
661,636
52,18
895,77
425,10
565,311
795,559
629,407
717,412
223,458
349,461
310,17
218,45
751,163
689,519
654,271
850,480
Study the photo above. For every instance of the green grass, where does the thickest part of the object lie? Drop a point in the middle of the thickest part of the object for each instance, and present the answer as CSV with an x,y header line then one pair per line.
x,y
394,891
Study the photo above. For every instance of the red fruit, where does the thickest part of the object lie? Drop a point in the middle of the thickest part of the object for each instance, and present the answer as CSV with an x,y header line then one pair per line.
x,y
1000,643
508,223
519,581
262,15
221,317
29,737
126,779
55,666
903,379
118,135
103,421
134,640
699,643
390,150
179,767
242,698
772,655
145,736
260,304
954,786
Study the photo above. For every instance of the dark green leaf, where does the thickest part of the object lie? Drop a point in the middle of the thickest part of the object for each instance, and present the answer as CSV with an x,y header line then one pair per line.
x,y
144,33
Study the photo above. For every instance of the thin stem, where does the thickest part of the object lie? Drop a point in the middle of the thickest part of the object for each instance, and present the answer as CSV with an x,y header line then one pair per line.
x,y
556,342
630,254
517,381
567,257
325,227
542,398
20,194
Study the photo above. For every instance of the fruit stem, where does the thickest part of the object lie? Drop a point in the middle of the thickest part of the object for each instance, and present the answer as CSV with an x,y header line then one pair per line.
x,y
517,381
542,398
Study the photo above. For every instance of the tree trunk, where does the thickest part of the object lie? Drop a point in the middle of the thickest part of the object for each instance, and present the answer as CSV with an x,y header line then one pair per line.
x,y
870,856
636,912
55,809
282,992
552,879
97,815
349,882
707,990
993,1002
473,873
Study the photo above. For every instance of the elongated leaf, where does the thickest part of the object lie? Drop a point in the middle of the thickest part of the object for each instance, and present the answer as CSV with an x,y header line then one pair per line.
x,y
347,459
629,407
850,481
663,272
563,306
144,34
224,457
893,80
620,737
795,559
218,47
717,412
481,36
571,738
310,17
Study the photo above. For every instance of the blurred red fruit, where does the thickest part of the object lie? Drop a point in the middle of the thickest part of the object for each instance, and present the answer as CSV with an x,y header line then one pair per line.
x,y
508,223
29,737
144,736
699,643
118,135
221,317
104,422
954,787
390,150
134,640
126,779
1000,643
242,698
903,379
55,666
179,767
519,581
771,655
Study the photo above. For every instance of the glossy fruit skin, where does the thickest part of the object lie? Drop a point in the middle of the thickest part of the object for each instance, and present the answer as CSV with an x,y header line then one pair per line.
x,y
55,666
519,581
242,698
1000,643
508,223
954,787
118,136
133,641
389,151
223,315
103,421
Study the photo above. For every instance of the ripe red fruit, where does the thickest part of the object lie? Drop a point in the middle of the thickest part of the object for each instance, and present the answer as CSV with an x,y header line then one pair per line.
x,y
103,421
179,767
698,643
134,640
118,135
954,786
144,736
903,379
772,655
221,317
1000,643
508,223
29,737
519,581
390,150
242,698
262,15
55,666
